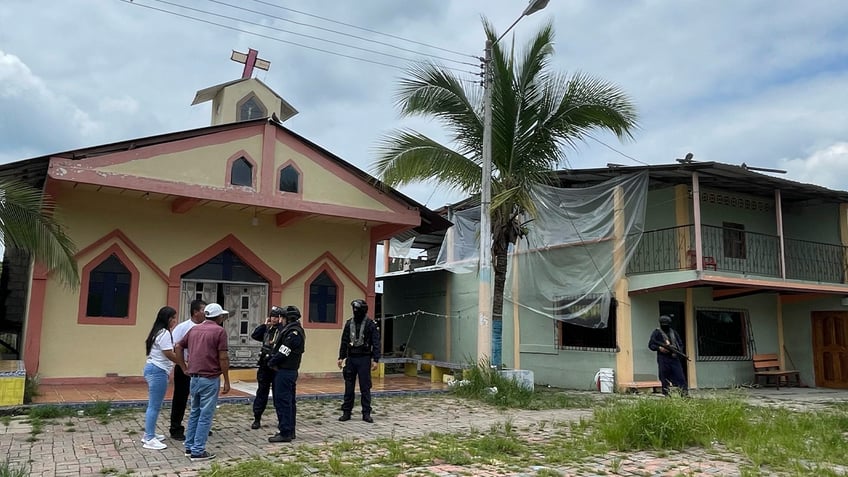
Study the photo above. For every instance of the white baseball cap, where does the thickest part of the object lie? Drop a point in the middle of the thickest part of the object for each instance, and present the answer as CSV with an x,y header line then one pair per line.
x,y
214,310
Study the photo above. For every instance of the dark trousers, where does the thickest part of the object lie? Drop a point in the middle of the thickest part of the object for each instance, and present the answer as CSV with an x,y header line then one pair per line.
x,y
357,366
265,378
671,374
285,402
179,401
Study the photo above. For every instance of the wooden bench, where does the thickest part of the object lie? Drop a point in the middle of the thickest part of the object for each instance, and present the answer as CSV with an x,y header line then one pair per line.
x,y
767,366
636,386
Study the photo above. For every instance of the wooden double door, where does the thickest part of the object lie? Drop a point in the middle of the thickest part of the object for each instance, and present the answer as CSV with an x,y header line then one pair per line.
x,y
830,348
248,307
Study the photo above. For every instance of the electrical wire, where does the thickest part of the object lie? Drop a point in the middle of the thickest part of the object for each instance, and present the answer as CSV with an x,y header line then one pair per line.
x,y
260,35
281,30
330,30
616,150
367,29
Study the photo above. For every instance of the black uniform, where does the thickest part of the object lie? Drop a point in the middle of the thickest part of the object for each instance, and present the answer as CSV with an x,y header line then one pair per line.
x,y
669,366
360,344
286,362
264,374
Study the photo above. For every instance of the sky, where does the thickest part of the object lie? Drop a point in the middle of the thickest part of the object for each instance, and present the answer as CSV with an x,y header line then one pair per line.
x,y
759,82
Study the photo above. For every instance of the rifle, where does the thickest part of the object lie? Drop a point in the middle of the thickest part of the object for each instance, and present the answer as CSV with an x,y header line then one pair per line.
x,y
667,345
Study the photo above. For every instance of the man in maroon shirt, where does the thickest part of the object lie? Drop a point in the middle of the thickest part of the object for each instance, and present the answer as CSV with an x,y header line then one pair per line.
x,y
207,346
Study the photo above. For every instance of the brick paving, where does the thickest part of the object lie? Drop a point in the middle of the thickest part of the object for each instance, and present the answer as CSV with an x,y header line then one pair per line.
x,y
82,445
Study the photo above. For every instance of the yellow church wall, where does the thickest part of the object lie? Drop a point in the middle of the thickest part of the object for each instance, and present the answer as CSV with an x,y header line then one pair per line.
x,y
205,165
321,185
230,97
70,349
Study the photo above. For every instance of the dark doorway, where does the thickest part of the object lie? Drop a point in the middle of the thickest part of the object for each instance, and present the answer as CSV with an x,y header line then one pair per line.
x,y
677,311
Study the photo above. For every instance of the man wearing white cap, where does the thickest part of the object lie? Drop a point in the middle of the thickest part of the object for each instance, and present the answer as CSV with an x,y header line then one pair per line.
x,y
207,343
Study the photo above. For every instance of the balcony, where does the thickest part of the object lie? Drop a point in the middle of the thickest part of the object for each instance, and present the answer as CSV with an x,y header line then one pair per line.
x,y
737,251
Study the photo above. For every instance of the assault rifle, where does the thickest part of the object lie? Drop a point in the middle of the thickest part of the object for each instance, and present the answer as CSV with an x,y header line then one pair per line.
x,y
667,345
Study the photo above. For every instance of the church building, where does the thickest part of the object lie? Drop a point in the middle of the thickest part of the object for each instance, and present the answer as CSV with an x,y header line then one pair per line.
x,y
244,212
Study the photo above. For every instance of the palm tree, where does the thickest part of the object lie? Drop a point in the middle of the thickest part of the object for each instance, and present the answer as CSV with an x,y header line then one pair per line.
x,y
537,115
27,223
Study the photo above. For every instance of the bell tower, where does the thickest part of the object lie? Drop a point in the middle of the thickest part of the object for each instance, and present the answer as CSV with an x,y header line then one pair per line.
x,y
246,98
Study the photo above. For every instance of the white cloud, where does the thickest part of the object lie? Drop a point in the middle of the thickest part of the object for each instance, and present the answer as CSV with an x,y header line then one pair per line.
x,y
827,167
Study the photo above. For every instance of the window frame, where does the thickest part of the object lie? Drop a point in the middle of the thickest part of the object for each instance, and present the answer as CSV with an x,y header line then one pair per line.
x,y
700,335
279,171
228,181
734,240
244,100
132,308
307,300
561,328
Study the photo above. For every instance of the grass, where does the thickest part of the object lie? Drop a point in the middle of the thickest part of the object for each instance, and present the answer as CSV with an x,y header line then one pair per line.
x,y
8,469
484,383
760,440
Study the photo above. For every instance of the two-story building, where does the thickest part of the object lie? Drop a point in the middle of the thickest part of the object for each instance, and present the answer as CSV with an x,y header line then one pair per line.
x,y
744,262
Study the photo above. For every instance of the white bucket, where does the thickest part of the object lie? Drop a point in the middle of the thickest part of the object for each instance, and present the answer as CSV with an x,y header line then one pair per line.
x,y
605,380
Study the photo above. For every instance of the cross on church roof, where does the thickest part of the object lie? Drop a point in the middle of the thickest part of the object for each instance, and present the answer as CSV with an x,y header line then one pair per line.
x,y
250,59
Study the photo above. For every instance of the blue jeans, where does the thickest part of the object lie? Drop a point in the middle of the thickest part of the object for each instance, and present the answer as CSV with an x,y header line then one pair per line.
x,y
203,395
157,384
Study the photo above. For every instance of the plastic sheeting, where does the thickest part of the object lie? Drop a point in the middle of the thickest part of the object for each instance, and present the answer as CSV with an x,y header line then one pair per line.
x,y
400,249
576,249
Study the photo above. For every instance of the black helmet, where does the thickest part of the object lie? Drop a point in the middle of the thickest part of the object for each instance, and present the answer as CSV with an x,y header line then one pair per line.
x,y
358,305
292,313
277,312
665,320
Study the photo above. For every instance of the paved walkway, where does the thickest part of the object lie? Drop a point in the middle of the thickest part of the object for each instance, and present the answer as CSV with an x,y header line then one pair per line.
x,y
83,445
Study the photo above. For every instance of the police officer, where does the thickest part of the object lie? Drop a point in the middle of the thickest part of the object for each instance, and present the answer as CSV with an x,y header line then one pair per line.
x,y
286,362
359,351
267,333
664,340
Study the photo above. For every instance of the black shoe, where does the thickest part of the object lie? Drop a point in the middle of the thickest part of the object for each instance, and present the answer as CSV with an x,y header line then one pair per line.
x,y
202,456
367,418
279,438
345,417
188,452
210,433
178,437
255,424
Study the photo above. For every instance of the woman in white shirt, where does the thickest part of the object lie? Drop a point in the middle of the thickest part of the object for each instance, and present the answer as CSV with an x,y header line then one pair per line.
x,y
160,361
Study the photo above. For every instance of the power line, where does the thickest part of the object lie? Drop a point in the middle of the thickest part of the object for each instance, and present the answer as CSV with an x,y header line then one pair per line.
x,y
308,25
281,30
367,29
280,40
616,150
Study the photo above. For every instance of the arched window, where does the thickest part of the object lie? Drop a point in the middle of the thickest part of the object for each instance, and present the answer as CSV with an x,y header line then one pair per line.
x,y
322,299
242,173
109,289
289,179
251,109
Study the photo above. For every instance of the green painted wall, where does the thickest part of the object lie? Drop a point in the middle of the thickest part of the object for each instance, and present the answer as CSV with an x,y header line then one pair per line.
x,y
417,291
816,224
798,336
759,221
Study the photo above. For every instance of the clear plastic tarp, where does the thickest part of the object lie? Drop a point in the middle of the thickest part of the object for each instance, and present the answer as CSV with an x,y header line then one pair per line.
x,y
576,249
400,249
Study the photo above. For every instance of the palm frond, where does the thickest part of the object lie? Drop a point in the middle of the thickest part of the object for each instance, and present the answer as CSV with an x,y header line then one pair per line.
x,y
28,223
406,157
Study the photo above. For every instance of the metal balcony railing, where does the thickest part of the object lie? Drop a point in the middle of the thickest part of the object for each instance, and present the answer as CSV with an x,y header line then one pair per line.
x,y
738,251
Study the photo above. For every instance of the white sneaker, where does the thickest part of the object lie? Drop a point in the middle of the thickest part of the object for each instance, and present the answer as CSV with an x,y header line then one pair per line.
x,y
158,437
154,444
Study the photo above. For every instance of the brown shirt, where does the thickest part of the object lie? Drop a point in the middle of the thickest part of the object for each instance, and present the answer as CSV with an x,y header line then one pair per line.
x,y
203,343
